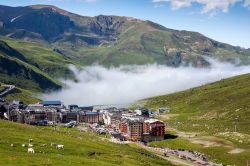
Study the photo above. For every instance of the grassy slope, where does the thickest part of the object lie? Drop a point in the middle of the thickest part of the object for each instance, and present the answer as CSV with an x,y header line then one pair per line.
x,y
80,148
211,110
19,73
22,95
37,70
43,57
221,102
31,66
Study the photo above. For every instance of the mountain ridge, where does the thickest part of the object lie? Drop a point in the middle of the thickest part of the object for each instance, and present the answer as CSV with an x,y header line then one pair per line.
x,y
113,40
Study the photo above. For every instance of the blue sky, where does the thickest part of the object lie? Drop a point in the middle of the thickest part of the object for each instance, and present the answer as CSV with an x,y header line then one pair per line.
x,y
223,20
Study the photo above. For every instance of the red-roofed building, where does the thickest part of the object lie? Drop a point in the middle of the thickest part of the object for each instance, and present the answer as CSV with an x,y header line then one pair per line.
x,y
153,130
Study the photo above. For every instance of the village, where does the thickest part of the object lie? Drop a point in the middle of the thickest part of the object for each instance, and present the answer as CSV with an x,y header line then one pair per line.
x,y
122,123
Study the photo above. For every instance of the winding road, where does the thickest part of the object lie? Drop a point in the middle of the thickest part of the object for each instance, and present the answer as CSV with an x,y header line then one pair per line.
x,y
7,90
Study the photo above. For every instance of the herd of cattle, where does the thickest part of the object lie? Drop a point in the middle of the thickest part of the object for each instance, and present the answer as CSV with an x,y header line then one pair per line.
x,y
30,146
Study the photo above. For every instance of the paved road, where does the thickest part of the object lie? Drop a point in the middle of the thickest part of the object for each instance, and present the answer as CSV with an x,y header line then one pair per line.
x,y
7,90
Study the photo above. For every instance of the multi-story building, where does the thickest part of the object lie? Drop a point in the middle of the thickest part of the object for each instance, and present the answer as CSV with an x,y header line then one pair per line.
x,y
153,130
16,115
131,128
70,116
54,115
33,117
90,117
111,117
136,129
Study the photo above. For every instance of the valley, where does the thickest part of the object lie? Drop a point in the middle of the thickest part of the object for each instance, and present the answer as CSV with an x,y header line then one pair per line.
x,y
49,54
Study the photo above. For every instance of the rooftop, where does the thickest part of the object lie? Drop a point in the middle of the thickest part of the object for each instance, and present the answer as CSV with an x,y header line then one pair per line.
x,y
91,113
152,121
56,102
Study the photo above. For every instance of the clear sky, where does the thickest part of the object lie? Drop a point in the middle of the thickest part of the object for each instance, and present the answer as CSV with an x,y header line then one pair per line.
x,y
223,20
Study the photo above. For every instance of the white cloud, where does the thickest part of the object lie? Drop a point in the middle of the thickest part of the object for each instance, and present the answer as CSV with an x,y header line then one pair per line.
x,y
208,6
98,85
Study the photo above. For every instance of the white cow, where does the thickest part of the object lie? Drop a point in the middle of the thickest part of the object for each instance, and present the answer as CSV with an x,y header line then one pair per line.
x,y
60,147
31,150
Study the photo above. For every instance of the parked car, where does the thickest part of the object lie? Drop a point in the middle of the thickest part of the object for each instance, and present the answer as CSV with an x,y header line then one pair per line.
x,y
70,124
42,123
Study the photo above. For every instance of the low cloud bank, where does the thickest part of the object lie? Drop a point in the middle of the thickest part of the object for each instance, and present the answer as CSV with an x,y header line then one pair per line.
x,y
126,84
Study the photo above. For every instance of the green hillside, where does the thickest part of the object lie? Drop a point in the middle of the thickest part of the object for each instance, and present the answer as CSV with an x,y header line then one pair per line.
x,y
81,148
215,116
23,95
225,103
42,56
32,66
17,72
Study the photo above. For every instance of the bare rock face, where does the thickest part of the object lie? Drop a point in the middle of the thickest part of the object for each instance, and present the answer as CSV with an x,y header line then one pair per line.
x,y
105,25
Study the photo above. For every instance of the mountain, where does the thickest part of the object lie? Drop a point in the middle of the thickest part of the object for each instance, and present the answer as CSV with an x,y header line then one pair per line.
x,y
113,40
80,148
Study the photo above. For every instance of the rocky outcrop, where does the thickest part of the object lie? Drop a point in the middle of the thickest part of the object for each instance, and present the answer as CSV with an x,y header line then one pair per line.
x,y
105,26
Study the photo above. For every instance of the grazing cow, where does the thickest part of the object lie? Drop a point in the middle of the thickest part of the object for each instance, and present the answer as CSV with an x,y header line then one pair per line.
x,y
12,145
60,147
53,145
31,150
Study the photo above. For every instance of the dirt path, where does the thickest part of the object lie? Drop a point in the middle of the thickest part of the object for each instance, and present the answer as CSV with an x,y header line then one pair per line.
x,y
167,116
170,158
236,151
